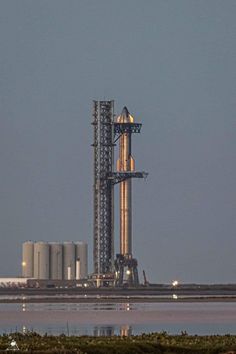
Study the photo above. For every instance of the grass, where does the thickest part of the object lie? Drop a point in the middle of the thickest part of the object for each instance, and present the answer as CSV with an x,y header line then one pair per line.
x,y
146,343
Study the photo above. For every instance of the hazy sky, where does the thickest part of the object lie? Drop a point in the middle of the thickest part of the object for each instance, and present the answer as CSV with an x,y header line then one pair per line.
x,y
173,63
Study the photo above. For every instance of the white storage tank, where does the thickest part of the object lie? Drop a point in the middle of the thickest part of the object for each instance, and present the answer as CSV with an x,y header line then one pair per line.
x,y
28,259
41,260
69,260
81,260
56,258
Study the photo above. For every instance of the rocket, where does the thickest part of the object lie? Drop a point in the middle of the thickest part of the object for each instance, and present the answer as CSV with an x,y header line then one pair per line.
x,y
125,163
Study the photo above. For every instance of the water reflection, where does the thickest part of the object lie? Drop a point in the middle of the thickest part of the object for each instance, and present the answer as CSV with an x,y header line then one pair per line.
x,y
73,307
127,307
97,331
104,331
125,331
107,331
118,318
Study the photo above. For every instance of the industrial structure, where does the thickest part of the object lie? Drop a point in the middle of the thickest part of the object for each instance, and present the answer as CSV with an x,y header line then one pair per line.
x,y
107,131
103,229
55,260
66,263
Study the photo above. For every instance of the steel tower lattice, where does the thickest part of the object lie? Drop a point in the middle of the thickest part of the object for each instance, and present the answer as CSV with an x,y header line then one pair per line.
x,y
103,252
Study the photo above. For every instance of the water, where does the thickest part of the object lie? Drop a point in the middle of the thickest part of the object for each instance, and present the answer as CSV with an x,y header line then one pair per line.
x,y
121,318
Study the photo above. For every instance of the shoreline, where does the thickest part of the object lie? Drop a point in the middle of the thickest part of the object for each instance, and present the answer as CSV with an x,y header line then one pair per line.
x,y
114,300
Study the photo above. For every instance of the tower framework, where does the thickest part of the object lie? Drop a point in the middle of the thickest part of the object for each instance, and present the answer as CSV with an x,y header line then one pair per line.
x,y
123,270
103,252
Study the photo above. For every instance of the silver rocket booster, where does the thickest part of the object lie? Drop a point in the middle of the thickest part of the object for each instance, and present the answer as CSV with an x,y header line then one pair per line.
x,y
125,163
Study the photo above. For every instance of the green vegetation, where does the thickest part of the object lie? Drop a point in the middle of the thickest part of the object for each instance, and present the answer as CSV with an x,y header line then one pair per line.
x,y
146,343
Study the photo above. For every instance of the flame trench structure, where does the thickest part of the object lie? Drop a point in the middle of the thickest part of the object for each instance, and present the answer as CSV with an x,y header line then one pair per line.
x,y
123,270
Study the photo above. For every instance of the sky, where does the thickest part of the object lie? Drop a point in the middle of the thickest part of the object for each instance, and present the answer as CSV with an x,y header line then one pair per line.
x,y
173,64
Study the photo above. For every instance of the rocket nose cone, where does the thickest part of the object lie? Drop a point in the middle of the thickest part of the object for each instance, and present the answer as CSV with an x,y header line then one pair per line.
x,y
125,116
125,112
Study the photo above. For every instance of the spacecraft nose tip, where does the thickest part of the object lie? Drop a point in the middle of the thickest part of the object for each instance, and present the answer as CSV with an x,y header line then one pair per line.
x,y
125,111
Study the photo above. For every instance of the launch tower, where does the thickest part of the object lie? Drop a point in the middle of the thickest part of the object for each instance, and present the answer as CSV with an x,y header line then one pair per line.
x,y
123,270
103,251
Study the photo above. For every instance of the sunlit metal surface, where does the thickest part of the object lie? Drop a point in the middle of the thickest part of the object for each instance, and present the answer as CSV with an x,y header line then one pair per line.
x,y
125,264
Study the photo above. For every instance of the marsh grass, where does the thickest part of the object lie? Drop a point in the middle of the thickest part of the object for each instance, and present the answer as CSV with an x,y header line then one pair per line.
x,y
159,343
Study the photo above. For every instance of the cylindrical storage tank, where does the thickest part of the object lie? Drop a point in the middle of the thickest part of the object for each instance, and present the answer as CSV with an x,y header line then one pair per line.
x,y
69,260
82,256
28,259
41,260
56,268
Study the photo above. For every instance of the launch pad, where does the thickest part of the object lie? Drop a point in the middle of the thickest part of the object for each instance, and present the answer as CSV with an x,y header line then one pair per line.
x,y
123,270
